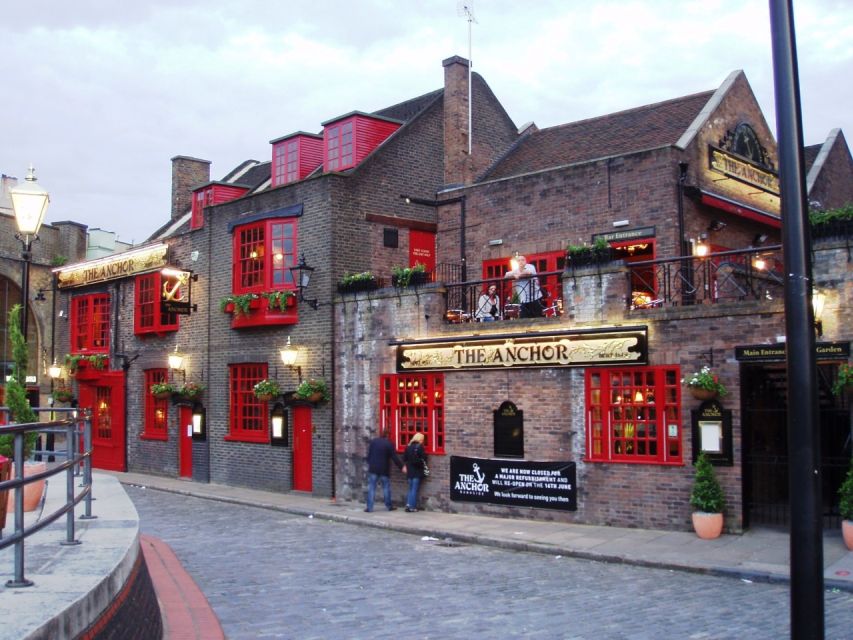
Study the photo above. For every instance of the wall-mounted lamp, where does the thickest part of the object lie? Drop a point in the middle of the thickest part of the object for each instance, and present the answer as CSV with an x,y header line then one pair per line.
x,y
818,300
700,247
39,297
176,362
513,262
759,263
54,370
199,422
716,225
288,356
759,239
301,274
278,426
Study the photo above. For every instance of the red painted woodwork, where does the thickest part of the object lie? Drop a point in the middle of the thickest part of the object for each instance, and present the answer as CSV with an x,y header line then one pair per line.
x,y
90,323
551,286
261,315
741,210
634,415
104,396
351,138
294,157
302,449
147,314
410,404
210,194
156,418
185,440
262,254
422,249
249,419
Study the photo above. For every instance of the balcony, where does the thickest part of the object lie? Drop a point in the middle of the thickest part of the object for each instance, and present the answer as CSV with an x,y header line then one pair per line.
x,y
516,299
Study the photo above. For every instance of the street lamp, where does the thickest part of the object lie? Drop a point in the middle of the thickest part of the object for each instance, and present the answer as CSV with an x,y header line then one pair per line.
x,y
301,274
29,202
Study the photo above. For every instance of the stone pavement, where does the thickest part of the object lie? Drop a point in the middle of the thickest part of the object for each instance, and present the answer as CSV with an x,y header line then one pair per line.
x,y
758,554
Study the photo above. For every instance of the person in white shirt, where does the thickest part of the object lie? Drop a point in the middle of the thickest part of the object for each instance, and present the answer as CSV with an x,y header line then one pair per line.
x,y
526,287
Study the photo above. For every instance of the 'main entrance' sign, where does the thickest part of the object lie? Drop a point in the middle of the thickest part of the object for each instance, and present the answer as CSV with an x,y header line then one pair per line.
x,y
625,345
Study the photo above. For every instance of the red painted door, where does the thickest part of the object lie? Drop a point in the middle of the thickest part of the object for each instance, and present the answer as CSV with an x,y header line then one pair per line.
x,y
103,395
422,249
185,440
302,431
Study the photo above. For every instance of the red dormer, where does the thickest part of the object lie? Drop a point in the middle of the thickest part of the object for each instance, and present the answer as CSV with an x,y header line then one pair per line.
x,y
210,194
349,139
295,156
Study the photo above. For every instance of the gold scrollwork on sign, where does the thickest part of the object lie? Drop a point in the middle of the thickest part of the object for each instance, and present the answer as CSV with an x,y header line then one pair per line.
x,y
120,265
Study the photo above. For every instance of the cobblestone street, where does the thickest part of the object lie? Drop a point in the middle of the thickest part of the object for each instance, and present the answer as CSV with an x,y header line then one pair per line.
x,y
273,575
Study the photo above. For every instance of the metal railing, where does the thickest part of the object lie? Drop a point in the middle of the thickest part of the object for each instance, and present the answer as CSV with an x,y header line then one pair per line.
x,y
536,297
746,274
75,426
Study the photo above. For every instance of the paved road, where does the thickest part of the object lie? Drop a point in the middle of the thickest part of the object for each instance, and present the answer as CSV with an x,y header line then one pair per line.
x,y
274,575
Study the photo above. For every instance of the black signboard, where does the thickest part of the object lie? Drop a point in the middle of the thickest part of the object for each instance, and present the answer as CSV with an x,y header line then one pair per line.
x,y
776,352
176,292
627,234
520,483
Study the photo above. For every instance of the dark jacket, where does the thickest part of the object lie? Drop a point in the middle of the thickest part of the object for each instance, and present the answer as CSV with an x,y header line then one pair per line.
x,y
379,452
415,458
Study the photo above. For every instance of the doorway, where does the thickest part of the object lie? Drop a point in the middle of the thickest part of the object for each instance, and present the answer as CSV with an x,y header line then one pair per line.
x,y
302,450
185,442
104,397
765,444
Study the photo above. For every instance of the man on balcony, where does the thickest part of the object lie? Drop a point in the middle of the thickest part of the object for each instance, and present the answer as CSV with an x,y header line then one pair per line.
x,y
525,289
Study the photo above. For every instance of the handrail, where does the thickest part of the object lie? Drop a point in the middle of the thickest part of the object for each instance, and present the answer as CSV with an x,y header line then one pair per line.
x,y
73,425
517,298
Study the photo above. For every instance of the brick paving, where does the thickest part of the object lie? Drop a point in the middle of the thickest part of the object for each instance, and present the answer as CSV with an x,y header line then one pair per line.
x,y
269,574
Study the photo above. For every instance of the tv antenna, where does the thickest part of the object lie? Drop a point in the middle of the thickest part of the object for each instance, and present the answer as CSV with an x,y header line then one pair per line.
x,y
466,8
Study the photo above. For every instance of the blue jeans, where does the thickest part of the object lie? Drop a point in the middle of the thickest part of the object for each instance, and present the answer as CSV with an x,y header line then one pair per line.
x,y
371,489
412,498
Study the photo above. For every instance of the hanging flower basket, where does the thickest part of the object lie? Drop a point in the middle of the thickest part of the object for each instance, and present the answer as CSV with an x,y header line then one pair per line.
x,y
702,394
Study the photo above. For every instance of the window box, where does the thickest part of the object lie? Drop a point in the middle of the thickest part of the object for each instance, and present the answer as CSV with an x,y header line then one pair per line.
x,y
260,310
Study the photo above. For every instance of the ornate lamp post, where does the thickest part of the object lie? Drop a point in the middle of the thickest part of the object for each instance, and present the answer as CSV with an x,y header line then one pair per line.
x,y
29,202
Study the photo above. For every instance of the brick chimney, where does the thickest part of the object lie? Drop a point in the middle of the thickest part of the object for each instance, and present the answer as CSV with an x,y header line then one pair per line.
x,y
457,162
187,174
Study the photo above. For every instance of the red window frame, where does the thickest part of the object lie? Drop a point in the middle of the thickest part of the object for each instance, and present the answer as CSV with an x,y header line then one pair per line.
x,y
90,323
148,316
413,403
249,417
339,146
156,418
634,415
262,255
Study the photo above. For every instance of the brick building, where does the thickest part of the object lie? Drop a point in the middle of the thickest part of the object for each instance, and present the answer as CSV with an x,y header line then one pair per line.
x,y
576,414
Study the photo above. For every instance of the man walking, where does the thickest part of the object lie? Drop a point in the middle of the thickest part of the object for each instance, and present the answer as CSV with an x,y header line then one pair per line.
x,y
379,454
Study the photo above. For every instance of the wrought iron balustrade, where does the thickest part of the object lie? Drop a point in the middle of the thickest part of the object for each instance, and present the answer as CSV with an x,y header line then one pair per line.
x,y
468,301
746,274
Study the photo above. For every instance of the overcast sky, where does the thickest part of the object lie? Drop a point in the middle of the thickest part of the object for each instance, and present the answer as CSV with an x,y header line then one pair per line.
x,y
99,95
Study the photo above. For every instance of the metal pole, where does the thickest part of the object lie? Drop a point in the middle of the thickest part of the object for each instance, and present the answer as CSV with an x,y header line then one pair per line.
x,y
25,288
19,580
69,485
87,466
806,540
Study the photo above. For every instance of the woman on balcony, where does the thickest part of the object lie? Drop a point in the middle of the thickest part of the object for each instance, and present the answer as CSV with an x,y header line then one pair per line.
x,y
489,305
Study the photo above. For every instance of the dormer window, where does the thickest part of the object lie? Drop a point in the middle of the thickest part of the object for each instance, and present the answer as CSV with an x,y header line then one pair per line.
x,y
210,194
294,157
351,138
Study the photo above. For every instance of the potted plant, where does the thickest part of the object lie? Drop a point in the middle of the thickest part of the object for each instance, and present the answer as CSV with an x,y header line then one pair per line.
x,y
162,390
833,222
190,390
63,394
844,381
402,277
354,282
578,255
279,300
845,507
704,384
312,390
708,499
238,304
266,390
72,362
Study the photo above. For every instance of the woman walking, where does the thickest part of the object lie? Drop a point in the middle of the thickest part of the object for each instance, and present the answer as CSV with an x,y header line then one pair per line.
x,y
414,459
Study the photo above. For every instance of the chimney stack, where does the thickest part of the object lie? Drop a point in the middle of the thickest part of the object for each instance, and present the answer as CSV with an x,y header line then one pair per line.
x,y
187,174
457,162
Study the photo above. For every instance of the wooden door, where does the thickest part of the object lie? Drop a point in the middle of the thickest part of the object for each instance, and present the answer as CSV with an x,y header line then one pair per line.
x,y
302,433
103,395
422,249
185,442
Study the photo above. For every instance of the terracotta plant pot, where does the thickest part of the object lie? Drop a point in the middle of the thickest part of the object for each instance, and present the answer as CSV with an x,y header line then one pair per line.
x,y
707,525
847,533
702,394
33,491
264,397
163,396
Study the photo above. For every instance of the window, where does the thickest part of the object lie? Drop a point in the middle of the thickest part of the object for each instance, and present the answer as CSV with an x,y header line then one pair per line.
x,y
263,254
156,416
413,403
148,317
90,323
339,147
634,415
249,420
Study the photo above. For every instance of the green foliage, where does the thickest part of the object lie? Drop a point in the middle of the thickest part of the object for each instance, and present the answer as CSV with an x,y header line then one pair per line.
x,y
707,494
162,387
191,389
278,299
845,492
96,361
309,387
353,279
844,380
705,379
16,395
58,260
818,218
406,276
266,387
63,394
241,303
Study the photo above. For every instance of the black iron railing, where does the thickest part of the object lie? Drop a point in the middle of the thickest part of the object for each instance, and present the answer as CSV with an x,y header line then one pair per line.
x,y
747,274
523,298
77,427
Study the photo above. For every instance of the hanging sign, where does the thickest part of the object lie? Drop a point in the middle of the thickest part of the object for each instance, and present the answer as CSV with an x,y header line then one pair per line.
x,y
520,483
776,352
120,265
176,292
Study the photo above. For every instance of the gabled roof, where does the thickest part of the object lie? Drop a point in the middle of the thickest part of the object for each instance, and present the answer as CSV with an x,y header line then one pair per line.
x,y
648,127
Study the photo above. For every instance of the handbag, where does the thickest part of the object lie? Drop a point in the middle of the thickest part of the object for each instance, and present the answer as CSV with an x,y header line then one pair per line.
x,y
426,470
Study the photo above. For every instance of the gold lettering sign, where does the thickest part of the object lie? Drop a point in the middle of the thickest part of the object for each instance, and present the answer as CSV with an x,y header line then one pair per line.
x,y
567,349
742,170
120,265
